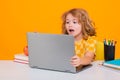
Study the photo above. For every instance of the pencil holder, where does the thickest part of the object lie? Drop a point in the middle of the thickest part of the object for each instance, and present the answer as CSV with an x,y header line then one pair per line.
x,y
109,52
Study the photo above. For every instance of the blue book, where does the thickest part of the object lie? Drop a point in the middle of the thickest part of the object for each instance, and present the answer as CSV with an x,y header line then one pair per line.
x,y
113,63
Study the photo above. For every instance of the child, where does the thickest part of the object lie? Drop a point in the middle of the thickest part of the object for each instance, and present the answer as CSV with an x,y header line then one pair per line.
x,y
76,22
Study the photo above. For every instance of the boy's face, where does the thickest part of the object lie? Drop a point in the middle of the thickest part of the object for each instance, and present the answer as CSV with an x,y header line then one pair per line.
x,y
72,26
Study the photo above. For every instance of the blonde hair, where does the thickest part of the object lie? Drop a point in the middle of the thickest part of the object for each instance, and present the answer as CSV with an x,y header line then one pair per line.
x,y
83,18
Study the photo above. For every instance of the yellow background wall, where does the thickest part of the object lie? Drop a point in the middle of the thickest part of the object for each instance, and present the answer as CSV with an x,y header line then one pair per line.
x,y
20,16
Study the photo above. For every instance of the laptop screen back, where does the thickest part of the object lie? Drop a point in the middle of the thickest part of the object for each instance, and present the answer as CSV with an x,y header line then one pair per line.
x,y
51,51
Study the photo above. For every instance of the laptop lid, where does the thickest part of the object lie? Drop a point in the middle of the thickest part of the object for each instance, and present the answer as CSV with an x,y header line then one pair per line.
x,y
51,51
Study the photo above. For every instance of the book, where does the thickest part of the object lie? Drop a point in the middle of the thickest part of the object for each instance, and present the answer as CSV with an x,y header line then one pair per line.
x,y
21,61
112,63
21,58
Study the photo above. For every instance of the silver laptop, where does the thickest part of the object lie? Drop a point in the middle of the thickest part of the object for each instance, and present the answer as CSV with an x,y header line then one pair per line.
x,y
51,51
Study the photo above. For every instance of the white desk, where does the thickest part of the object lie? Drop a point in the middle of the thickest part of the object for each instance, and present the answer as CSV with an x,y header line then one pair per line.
x,y
10,70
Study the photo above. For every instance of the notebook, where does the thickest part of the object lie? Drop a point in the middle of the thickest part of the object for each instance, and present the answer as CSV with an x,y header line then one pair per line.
x,y
113,63
51,52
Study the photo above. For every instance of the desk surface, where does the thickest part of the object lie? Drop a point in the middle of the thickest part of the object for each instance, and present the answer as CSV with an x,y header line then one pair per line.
x,y
10,70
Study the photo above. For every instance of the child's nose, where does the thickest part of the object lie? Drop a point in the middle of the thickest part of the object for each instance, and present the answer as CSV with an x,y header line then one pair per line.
x,y
70,25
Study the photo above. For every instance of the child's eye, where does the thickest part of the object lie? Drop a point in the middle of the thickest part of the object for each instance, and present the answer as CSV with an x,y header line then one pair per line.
x,y
67,22
74,22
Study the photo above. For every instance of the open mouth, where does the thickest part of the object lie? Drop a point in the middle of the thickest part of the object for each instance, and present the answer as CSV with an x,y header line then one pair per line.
x,y
71,30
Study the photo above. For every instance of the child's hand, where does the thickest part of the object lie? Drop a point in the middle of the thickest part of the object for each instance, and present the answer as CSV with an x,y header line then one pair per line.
x,y
75,61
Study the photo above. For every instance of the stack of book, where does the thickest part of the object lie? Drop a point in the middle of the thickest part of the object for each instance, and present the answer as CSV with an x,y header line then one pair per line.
x,y
113,63
21,58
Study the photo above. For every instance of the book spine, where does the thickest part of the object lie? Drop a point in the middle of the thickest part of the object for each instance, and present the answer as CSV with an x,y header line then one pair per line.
x,y
21,57
21,61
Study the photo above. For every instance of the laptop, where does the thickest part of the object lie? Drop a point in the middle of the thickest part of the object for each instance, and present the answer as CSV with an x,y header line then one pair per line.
x,y
51,51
